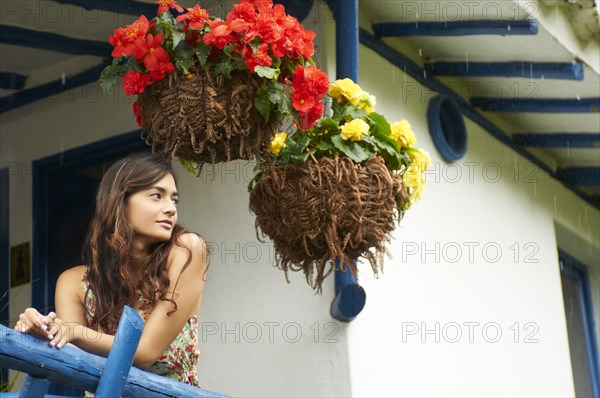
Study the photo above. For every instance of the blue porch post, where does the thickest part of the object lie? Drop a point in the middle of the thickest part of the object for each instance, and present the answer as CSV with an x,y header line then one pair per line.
x,y
349,296
345,13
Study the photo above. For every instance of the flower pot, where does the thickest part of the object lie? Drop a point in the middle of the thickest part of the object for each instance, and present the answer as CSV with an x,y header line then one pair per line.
x,y
327,210
204,117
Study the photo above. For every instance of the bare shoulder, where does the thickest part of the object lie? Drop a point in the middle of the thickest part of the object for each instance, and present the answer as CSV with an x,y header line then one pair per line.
x,y
72,275
188,245
69,283
190,242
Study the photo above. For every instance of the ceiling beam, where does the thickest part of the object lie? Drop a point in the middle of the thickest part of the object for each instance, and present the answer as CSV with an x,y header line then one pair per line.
x,y
12,81
558,140
54,42
456,28
530,70
546,105
413,70
583,176
25,97
117,6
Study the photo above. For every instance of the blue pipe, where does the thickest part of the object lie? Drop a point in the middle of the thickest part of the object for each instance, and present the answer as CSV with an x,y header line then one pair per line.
x,y
350,297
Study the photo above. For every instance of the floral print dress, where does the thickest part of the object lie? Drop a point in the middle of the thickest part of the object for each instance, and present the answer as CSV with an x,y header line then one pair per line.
x,y
179,360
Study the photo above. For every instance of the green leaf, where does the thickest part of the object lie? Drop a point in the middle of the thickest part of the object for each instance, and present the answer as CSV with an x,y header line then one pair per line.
x,y
224,68
351,149
132,64
355,113
166,20
381,123
300,159
263,105
338,110
328,124
184,63
202,51
184,57
108,77
266,72
325,146
190,166
178,37
274,92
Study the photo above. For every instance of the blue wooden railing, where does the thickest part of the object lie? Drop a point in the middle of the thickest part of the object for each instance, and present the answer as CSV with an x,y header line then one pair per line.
x,y
70,366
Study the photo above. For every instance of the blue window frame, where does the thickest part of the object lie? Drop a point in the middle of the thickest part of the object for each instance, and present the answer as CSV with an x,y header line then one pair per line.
x,y
581,327
4,269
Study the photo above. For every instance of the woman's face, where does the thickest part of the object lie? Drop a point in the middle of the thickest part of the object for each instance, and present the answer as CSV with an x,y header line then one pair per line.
x,y
153,212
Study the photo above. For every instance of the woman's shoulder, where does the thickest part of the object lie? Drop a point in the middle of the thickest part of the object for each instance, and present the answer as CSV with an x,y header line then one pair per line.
x,y
70,281
75,274
188,244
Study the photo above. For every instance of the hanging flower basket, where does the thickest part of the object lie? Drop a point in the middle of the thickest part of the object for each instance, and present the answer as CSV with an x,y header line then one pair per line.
x,y
205,118
327,210
337,190
211,90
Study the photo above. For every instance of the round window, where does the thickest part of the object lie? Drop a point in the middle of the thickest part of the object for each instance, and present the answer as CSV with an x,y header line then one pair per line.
x,y
447,128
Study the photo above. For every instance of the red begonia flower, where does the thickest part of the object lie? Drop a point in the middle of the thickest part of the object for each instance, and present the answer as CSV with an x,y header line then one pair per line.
x,y
137,113
308,119
194,18
261,57
135,82
220,34
302,101
150,52
162,68
164,5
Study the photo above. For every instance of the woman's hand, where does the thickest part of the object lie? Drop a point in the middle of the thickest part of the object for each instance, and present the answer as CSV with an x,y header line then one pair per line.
x,y
62,332
32,322
46,327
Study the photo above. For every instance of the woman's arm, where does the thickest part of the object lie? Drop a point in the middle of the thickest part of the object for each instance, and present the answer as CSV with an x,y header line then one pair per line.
x,y
160,330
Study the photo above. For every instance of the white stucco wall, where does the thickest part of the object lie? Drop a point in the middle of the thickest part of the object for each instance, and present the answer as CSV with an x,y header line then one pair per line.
x,y
476,257
301,350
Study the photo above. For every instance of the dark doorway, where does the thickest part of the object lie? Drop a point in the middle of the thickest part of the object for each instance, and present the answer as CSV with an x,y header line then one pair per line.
x,y
64,188
580,325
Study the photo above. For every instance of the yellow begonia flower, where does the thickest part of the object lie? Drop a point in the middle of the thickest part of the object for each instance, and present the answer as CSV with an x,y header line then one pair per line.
x,y
355,130
414,179
345,89
367,102
420,158
278,142
402,132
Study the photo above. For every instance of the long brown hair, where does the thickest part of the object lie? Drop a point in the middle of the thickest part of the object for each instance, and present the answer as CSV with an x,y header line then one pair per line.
x,y
111,271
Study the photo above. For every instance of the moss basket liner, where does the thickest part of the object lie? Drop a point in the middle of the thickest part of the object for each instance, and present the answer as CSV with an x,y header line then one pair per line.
x,y
206,118
327,210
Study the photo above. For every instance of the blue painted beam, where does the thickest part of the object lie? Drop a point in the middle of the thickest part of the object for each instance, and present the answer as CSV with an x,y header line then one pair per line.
x,y
298,8
54,42
12,81
34,387
558,140
76,368
120,357
547,105
25,97
456,28
583,176
413,70
123,7
530,70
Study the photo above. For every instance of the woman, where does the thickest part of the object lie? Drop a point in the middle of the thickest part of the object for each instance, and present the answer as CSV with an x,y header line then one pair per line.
x,y
135,254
